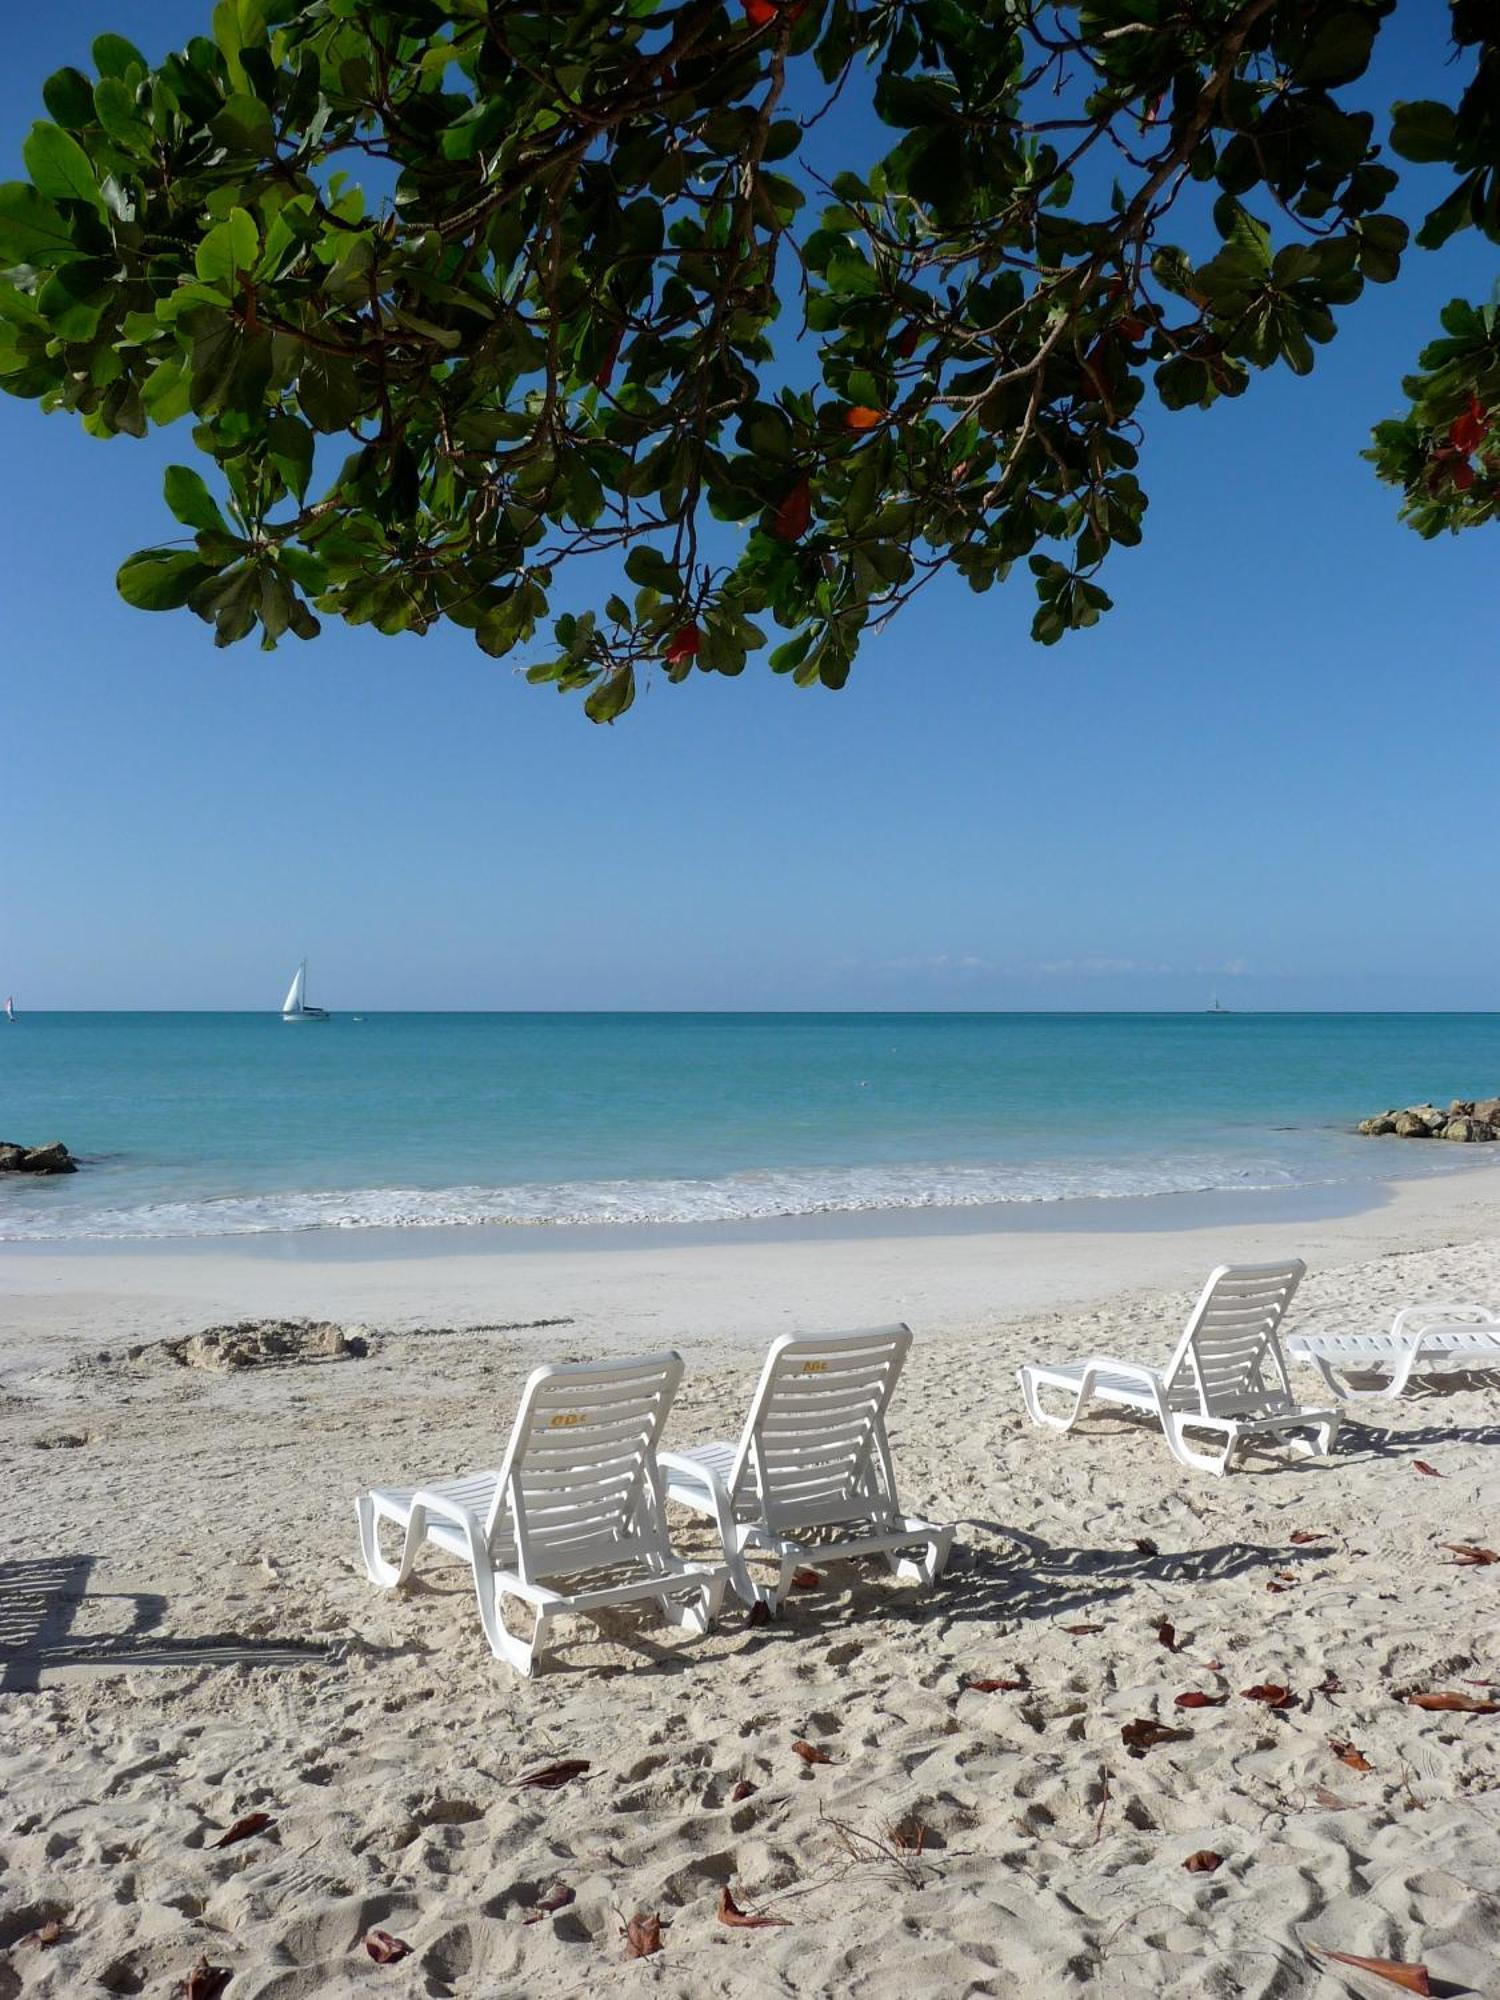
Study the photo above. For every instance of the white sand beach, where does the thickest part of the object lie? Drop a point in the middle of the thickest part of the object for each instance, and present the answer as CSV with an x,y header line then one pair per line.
x,y
186,1637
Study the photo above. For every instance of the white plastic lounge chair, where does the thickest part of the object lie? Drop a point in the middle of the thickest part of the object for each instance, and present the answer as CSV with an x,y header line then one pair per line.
x,y
811,1480
1422,1339
1227,1375
573,1519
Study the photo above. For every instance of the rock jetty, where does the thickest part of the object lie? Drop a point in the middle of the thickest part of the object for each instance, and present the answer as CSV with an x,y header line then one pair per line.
x,y
52,1159
1468,1120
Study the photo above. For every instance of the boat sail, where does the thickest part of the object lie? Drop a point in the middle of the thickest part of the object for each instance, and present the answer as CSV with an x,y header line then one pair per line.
x,y
10,1006
295,1007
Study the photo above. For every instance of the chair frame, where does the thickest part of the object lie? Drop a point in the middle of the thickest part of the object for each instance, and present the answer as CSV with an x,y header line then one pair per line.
x,y
1226,1376
578,1492
798,1467
1422,1340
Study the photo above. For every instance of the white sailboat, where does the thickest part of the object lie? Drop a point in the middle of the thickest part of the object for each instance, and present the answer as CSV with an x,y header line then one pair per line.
x,y
295,1007
10,1006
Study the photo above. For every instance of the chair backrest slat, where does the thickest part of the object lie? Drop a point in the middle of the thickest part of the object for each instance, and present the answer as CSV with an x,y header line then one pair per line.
x,y
814,1450
579,1485
1229,1361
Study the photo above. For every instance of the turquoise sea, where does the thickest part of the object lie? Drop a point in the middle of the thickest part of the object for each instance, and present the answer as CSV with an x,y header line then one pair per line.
x,y
215,1124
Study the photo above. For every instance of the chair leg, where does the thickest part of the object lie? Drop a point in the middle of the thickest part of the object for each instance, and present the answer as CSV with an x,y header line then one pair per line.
x,y
937,1545
698,1611
1031,1396
388,1574
1186,1454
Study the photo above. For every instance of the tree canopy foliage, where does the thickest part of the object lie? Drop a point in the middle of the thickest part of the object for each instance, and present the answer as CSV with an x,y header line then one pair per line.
x,y
462,297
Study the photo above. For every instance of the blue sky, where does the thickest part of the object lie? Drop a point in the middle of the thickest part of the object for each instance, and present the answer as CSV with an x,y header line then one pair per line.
x,y
1268,772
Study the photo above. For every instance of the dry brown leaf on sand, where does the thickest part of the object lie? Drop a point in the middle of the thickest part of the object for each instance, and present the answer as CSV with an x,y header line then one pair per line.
x,y
731,1913
1204,1862
1347,1754
994,1687
1453,1703
1422,1466
1410,1978
1166,1635
745,1789
1331,1800
205,1981
805,1579
556,1896
758,1614
1077,1631
1330,1684
1470,1556
551,1776
1301,1537
1144,1734
385,1949
643,1936
244,1829
51,1932
810,1753
1272,1693
1145,1546
1195,1698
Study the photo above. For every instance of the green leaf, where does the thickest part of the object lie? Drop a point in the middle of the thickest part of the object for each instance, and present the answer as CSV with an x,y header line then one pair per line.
x,y
59,167
1339,50
31,230
160,579
228,248
190,500
69,96
1423,130
114,56
650,568
612,697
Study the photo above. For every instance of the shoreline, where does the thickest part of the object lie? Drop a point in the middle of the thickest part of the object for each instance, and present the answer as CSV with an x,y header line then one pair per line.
x,y
942,1270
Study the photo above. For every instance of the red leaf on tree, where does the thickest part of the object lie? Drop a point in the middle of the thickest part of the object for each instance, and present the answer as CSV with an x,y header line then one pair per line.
x,y
731,1913
556,1896
683,645
760,13
1204,1862
1272,1693
743,1790
244,1829
1453,1703
862,418
905,342
611,355
1410,1978
1467,430
205,1981
388,1950
1430,1470
1471,1557
1347,1754
1194,1698
643,1936
810,1753
1463,475
793,517
1166,1635
551,1776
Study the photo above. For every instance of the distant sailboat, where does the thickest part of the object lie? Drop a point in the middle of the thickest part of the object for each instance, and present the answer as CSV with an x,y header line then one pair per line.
x,y
295,1007
10,1007
1214,1007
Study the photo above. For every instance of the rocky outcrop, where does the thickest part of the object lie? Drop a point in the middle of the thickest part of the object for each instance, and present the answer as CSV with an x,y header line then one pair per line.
x,y
51,1159
1467,1121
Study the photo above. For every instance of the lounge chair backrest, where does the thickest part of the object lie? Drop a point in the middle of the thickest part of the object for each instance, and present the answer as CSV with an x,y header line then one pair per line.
x,y
814,1449
1229,1361
578,1486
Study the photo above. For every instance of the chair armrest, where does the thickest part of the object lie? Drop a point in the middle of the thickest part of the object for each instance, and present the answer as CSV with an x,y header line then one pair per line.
x,y
1442,1312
